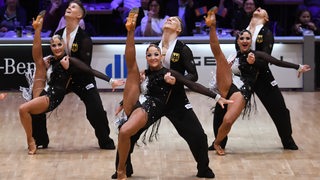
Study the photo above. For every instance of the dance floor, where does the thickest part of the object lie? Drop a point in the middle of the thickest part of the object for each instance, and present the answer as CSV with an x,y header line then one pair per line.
x,y
254,150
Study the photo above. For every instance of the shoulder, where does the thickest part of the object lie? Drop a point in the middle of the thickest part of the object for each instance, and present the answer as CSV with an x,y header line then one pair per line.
x,y
83,33
181,46
265,29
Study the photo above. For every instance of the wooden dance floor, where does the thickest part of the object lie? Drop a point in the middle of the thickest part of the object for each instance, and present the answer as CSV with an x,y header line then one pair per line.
x,y
254,150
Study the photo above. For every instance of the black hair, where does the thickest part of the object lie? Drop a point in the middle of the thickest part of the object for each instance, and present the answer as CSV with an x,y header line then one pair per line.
x,y
153,45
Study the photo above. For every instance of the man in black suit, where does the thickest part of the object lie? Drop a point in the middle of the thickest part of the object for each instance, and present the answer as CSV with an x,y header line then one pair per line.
x,y
179,57
79,45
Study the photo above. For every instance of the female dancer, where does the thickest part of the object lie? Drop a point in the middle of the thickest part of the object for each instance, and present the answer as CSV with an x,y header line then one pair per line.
x,y
56,68
159,81
235,77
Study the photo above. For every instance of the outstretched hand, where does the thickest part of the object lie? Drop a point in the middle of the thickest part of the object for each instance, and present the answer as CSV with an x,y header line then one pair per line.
x,y
132,19
223,101
210,19
303,68
116,83
37,23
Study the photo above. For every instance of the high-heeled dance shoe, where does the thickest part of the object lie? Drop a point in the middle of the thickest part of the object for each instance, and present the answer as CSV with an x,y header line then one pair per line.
x,y
32,148
41,15
219,149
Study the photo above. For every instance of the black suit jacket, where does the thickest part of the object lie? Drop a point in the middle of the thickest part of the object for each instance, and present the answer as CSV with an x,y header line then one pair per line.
x,y
182,61
264,42
82,50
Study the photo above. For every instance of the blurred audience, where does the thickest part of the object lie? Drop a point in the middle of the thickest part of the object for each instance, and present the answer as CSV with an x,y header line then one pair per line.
x,y
304,23
233,15
314,7
54,18
243,16
2,3
226,12
53,15
151,25
121,9
12,15
143,11
185,10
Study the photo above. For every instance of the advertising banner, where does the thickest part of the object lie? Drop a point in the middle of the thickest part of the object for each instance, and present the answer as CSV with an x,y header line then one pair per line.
x,y
16,59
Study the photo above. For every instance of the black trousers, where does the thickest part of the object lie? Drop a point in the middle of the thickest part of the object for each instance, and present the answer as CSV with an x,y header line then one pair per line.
x,y
95,113
189,128
217,121
39,129
272,99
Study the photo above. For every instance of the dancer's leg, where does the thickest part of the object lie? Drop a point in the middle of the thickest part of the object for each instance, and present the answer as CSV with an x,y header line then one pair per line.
x,y
40,71
137,118
35,106
223,70
132,87
136,121
39,122
233,112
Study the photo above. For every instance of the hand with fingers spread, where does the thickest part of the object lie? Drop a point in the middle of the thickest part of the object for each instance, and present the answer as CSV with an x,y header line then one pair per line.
x,y
303,68
117,82
223,101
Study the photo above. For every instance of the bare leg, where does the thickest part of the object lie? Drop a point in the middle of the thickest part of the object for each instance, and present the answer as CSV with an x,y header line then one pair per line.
x,y
233,112
224,81
223,70
136,121
132,87
40,72
35,106
138,117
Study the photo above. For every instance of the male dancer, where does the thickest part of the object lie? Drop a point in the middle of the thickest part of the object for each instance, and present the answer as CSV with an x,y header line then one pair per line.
x,y
79,45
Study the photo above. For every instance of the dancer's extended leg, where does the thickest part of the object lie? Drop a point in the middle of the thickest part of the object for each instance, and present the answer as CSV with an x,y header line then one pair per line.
x,y
132,87
40,69
137,117
223,70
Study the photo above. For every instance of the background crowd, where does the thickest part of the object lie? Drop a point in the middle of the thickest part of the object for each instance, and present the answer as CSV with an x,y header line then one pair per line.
x,y
233,16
